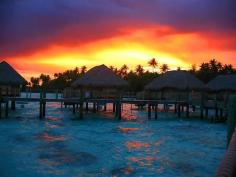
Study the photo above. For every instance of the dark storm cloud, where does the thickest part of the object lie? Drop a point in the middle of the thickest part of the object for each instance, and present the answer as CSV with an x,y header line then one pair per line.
x,y
27,25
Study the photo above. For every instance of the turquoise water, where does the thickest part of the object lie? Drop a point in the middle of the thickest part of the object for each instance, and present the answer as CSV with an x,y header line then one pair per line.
x,y
100,145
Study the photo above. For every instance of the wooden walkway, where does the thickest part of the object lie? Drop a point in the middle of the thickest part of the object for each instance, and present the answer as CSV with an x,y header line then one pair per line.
x,y
82,105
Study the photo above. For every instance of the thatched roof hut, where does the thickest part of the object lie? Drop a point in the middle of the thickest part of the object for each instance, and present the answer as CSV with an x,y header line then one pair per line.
x,y
9,76
100,77
179,80
223,83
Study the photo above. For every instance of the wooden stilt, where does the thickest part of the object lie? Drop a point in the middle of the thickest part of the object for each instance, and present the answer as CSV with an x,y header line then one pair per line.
x,y
179,110
149,111
105,107
86,107
175,108
221,113
117,109
73,108
206,111
202,109
187,110
94,107
193,108
120,111
44,108
182,108
216,112
6,109
114,107
40,110
156,106
41,106
13,105
81,116
97,107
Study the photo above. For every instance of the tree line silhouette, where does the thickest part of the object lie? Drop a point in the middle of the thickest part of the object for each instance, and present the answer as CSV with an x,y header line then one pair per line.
x,y
137,78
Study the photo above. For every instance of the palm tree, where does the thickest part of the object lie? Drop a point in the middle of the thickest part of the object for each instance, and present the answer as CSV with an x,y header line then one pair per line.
x,y
35,82
139,69
123,70
112,67
83,69
164,68
45,79
153,63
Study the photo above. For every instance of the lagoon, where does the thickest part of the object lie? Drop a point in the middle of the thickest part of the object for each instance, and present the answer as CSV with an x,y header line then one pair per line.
x,y
101,145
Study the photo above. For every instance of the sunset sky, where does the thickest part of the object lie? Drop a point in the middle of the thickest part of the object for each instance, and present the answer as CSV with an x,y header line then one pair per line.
x,y
48,36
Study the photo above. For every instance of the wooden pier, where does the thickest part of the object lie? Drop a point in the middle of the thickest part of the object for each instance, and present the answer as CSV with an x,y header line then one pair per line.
x,y
81,106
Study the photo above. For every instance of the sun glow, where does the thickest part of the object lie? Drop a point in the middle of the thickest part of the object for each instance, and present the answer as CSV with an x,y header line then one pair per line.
x,y
132,47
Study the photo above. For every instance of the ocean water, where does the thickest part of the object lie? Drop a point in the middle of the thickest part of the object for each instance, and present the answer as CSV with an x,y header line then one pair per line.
x,y
100,145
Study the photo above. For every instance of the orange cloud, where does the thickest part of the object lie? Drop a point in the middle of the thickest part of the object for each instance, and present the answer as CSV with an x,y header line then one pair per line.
x,y
131,46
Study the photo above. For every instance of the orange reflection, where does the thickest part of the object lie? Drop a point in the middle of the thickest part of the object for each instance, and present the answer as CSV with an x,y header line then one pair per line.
x,y
143,161
158,143
127,130
51,138
136,145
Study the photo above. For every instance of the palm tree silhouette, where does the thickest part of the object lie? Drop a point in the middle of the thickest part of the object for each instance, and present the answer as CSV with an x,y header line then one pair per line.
x,y
83,69
164,68
153,63
124,70
139,69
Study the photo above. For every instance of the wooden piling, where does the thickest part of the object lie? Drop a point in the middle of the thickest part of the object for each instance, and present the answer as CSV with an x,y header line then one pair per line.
x,y
216,112
187,110
175,109
81,116
179,110
105,107
13,105
221,114
117,109
86,107
74,108
97,107
149,111
6,109
114,107
120,111
94,107
41,106
44,108
155,108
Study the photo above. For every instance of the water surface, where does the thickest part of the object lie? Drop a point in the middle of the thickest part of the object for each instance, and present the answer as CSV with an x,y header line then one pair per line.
x,y
100,145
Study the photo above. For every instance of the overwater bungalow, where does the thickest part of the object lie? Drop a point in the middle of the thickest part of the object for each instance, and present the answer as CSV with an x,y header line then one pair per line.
x,y
176,86
219,91
100,82
10,80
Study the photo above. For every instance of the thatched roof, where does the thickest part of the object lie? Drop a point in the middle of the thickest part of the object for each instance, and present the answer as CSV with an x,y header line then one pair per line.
x,y
223,83
9,76
100,76
180,80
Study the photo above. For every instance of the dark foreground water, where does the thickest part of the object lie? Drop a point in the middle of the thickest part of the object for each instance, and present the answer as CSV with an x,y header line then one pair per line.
x,y
100,145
